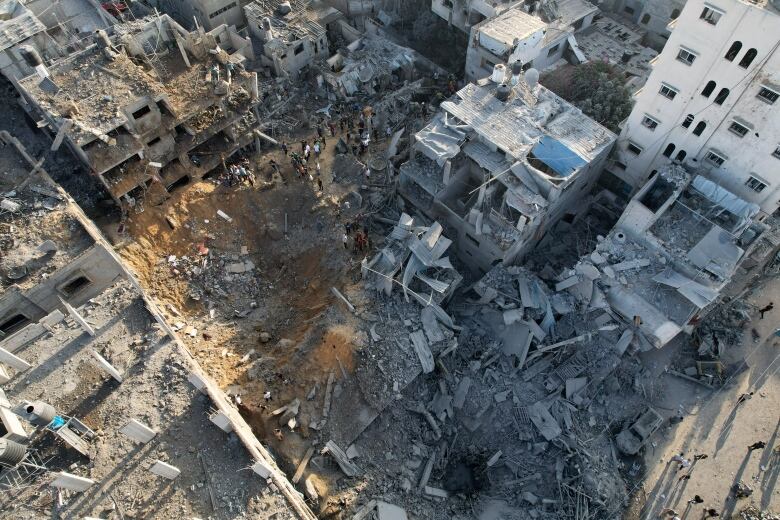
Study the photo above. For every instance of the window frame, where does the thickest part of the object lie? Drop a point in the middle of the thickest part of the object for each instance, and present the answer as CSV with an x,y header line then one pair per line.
x,y
754,182
689,59
767,99
632,143
670,89
708,157
738,133
711,14
655,122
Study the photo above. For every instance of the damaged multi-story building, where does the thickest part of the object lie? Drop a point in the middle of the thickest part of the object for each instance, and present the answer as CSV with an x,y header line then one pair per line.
x,y
713,93
501,163
52,30
653,16
150,109
290,36
539,35
681,245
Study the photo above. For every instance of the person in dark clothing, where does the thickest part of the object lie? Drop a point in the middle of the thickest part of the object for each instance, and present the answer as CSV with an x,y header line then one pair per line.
x,y
284,148
696,500
764,310
711,513
760,445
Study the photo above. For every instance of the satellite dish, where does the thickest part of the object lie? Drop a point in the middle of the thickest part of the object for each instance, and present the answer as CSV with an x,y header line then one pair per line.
x,y
532,78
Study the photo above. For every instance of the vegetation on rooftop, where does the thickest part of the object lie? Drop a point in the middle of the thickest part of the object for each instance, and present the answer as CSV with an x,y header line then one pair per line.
x,y
596,88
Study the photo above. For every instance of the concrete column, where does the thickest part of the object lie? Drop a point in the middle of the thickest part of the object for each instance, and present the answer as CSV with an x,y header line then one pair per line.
x,y
221,420
138,431
13,361
77,317
72,482
13,426
105,365
197,381
165,470
4,377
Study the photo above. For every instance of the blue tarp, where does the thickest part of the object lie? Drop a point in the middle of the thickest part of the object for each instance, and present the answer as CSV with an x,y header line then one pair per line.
x,y
554,154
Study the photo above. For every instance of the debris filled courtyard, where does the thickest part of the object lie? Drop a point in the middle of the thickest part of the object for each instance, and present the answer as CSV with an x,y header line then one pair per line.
x,y
311,260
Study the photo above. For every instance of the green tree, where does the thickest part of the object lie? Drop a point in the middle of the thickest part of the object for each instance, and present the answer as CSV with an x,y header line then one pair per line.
x,y
597,88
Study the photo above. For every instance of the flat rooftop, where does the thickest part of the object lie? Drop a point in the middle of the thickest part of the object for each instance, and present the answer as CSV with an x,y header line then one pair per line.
x,y
517,125
17,23
512,24
39,234
93,90
300,22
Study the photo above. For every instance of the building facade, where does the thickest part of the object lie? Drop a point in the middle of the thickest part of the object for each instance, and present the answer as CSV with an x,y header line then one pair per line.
x,y
537,37
711,103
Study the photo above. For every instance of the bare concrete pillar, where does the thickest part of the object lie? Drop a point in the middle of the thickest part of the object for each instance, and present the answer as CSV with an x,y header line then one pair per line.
x,y
165,470
255,88
105,365
77,317
138,431
13,361
197,381
221,420
72,482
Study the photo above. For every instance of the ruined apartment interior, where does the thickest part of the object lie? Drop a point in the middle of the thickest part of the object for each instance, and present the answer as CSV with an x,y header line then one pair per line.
x,y
280,260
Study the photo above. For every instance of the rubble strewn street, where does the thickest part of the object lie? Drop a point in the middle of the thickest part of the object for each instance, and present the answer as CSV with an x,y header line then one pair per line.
x,y
392,261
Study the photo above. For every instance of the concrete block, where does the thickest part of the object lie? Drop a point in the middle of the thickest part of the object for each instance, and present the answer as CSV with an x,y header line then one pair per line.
x,y
387,511
197,381
221,420
568,282
13,361
13,426
262,469
4,377
105,365
165,470
72,482
138,431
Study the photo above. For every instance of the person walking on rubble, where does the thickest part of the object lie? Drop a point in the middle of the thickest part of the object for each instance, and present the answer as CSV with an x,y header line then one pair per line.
x,y
711,513
332,128
696,500
760,445
304,144
317,149
764,310
345,239
319,184
744,397
284,148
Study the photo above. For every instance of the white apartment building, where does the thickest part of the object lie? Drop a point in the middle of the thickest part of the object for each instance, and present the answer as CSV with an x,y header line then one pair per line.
x,y
712,102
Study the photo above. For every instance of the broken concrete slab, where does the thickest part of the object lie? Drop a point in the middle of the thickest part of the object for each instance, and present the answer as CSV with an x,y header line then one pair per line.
x,y
517,340
431,325
624,341
574,385
423,351
544,421
349,468
240,267
386,511
568,282
461,392
631,264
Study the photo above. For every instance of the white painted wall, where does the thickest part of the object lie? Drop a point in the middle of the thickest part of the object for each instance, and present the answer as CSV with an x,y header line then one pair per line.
x,y
751,155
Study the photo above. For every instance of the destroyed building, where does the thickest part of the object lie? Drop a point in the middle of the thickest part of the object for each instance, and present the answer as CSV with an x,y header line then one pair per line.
x,y
51,30
208,14
500,164
97,393
619,43
538,38
678,246
153,108
654,16
290,36
369,65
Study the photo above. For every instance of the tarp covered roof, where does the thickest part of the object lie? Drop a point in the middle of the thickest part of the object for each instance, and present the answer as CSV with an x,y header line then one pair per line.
x,y
557,156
